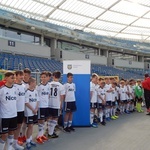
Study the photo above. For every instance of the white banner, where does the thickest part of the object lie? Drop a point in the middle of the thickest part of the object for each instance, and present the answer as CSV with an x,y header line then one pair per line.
x,y
77,66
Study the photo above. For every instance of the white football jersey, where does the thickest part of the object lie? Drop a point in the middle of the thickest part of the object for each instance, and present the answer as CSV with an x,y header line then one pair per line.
x,y
93,88
100,92
8,99
113,95
117,92
56,90
131,93
108,94
122,92
133,88
20,90
44,94
70,89
32,98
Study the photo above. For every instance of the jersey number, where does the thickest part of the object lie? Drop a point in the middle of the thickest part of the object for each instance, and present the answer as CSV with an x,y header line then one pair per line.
x,y
53,91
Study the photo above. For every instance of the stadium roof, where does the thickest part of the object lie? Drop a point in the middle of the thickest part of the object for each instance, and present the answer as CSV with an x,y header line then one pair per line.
x,y
114,18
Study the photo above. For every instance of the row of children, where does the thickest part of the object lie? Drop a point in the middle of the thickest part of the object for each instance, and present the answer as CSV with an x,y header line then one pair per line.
x,y
22,103
110,98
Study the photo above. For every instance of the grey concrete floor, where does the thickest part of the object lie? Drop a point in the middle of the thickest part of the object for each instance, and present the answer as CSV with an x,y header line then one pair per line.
x,y
129,132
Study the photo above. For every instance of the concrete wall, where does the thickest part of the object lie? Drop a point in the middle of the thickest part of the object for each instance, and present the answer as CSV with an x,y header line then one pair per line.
x,y
147,65
128,64
25,48
68,55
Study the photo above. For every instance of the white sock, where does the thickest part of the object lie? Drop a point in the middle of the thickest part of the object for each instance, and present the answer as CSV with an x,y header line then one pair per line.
x,y
130,107
123,108
16,145
23,129
40,128
69,123
101,116
114,111
54,123
65,124
28,140
127,106
43,127
15,141
91,117
31,138
10,142
49,127
2,144
108,112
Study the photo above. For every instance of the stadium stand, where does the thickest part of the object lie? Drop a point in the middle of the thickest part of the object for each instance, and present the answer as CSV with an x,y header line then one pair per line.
x,y
14,61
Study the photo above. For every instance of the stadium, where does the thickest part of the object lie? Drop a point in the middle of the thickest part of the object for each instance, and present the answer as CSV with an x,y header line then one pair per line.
x,y
113,36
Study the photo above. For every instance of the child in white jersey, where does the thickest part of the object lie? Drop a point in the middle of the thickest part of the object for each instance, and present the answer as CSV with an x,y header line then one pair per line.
x,y
114,98
8,111
127,103
55,104
27,75
109,90
122,94
43,113
31,108
93,99
70,103
131,96
20,90
101,94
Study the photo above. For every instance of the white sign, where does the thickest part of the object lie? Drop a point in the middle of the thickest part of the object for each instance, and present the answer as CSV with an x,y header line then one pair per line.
x,y
77,66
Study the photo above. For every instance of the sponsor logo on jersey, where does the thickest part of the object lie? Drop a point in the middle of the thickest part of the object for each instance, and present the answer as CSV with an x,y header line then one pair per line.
x,y
5,129
45,93
70,90
32,99
21,94
69,66
10,98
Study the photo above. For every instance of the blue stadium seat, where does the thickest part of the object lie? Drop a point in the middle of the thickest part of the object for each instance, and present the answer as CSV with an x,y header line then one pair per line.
x,y
42,64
